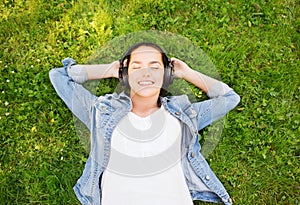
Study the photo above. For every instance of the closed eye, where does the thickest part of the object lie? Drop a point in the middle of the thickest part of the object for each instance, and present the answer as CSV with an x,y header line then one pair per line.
x,y
152,67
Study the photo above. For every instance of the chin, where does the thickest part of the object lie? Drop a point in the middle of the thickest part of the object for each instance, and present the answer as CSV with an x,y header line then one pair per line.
x,y
146,92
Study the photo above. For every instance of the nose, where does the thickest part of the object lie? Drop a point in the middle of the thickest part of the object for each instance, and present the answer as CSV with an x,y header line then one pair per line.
x,y
146,72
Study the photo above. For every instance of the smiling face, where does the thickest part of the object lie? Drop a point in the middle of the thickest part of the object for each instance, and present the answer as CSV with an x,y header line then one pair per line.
x,y
145,72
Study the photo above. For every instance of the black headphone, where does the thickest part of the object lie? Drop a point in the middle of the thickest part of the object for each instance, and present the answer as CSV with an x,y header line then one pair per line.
x,y
124,61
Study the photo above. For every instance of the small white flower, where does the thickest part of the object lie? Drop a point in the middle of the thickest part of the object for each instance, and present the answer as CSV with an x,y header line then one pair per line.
x,y
31,66
38,60
13,72
3,91
0,118
7,113
7,81
0,61
6,103
61,158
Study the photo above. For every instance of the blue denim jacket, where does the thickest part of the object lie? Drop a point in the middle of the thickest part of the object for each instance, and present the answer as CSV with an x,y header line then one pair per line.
x,y
102,114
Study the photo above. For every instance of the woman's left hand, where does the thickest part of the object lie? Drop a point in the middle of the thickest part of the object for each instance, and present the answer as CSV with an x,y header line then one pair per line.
x,y
180,67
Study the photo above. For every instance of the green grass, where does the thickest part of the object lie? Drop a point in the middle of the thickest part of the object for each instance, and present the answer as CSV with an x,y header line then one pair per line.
x,y
253,44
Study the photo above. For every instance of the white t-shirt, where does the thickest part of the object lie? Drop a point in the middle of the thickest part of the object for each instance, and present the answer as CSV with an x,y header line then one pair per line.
x,y
145,162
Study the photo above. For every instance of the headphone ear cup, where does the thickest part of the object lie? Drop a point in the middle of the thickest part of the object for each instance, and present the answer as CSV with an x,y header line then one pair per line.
x,y
121,68
169,71
123,72
125,77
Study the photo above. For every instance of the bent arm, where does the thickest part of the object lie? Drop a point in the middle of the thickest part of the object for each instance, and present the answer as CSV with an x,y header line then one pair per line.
x,y
78,99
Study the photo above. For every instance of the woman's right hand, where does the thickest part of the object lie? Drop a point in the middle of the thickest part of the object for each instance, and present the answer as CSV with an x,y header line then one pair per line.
x,y
113,69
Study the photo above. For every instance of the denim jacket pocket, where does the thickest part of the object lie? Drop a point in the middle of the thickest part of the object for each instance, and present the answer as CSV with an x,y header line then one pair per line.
x,y
191,113
103,115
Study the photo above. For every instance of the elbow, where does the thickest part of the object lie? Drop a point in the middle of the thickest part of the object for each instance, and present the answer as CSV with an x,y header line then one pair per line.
x,y
52,74
57,75
234,99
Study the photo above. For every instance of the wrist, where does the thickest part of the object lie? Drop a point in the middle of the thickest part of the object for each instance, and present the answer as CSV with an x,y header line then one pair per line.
x,y
114,69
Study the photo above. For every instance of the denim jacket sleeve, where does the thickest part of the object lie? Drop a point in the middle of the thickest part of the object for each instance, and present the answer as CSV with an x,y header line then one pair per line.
x,y
222,100
78,99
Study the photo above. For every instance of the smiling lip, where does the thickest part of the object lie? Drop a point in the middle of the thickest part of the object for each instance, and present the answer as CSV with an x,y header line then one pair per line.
x,y
145,82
